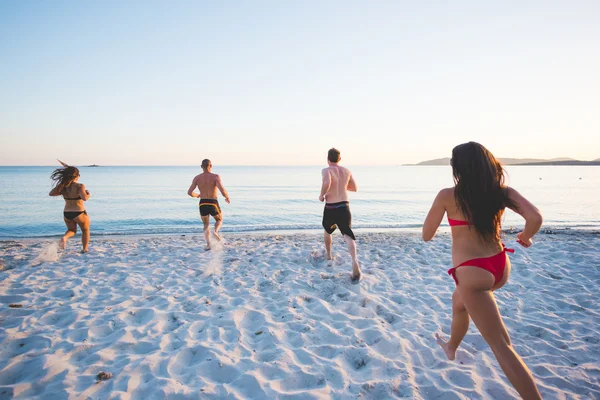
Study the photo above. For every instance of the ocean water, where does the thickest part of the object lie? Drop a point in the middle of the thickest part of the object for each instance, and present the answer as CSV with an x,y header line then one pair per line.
x,y
149,200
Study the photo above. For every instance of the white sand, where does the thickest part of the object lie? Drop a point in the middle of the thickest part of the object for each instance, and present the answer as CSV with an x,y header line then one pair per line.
x,y
265,316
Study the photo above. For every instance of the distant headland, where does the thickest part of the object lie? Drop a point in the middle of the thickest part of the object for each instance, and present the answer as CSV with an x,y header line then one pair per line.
x,y
521,161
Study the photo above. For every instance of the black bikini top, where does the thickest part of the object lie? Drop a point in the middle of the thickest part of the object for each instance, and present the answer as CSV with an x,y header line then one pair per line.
x,y
72,198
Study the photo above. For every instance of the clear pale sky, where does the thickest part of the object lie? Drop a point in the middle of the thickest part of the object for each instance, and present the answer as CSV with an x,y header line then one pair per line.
x,y
266,82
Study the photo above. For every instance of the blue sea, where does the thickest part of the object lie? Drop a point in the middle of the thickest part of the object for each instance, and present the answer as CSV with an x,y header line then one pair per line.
x,y
153,200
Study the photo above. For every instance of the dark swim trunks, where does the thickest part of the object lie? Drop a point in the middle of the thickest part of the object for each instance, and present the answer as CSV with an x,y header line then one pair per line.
x,y
209,207
337,215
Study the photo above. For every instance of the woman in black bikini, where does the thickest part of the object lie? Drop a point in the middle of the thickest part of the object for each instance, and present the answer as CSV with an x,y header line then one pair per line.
x,y
65,181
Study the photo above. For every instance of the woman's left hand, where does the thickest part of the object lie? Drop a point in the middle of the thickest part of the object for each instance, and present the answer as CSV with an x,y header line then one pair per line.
x,y
524,242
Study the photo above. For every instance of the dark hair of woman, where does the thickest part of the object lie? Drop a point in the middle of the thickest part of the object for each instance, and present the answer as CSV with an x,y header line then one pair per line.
x,y
480,192
63,177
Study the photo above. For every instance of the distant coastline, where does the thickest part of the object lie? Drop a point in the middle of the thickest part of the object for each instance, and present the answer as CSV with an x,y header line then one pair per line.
x,y
571,162
522,161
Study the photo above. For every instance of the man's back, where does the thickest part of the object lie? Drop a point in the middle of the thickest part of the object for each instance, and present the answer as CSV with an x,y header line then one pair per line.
x,y
339,178
207,185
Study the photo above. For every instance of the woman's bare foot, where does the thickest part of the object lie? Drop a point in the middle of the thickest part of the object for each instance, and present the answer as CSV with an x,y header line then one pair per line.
x,y
328,256
84,251
62,243
451,354
216,235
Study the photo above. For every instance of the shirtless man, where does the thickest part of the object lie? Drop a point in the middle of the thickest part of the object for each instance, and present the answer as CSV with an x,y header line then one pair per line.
x,y
208,183
337,181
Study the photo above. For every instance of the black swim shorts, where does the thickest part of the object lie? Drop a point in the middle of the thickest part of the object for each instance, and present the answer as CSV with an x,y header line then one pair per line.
x,y
209,207
337,215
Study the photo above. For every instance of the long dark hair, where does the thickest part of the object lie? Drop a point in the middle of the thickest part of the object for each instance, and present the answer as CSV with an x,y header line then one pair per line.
x,y
480,192
63,177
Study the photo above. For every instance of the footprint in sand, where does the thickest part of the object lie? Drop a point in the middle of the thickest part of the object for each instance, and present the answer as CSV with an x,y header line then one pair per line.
x,y
319,257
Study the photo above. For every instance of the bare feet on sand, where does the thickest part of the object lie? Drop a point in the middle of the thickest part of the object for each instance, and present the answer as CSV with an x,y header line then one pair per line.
x,y
355,272
451,354
62,243
84,251
216,235
328,256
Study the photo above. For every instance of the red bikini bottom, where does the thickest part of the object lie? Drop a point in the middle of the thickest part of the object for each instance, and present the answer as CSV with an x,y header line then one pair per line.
x,y
494,264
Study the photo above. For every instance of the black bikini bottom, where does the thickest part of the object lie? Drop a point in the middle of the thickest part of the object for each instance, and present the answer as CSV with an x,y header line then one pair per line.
x,y
71,215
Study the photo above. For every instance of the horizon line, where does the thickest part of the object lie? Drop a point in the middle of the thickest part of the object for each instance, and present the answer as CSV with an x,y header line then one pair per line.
x,y
220,165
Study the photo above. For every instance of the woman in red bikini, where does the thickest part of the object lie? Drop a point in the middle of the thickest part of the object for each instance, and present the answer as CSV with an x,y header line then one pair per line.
x,y
65,181
475,206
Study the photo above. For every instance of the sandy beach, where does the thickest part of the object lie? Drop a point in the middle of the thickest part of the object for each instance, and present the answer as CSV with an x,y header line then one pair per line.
x,y
265,316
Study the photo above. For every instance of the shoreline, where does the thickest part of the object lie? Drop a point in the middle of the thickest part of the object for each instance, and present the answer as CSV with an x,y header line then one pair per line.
x,y
550,230
266,232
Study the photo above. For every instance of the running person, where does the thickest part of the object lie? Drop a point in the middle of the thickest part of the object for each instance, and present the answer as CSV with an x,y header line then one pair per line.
x,y
337,181
208,183
65,184
474,207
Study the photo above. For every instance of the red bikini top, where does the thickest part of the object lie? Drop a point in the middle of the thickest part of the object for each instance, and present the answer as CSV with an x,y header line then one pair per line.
x,y
457,222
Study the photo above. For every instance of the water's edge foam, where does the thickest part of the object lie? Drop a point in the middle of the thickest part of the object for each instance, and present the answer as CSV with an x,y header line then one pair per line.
x,y
290,229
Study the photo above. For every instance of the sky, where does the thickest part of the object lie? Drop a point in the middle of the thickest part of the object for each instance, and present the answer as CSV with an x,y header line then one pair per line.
x,y
279,83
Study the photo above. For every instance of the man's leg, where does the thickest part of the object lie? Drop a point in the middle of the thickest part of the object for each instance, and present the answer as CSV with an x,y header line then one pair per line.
x,y
218,222
206,228
345,225
329,226
351,243
328,241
